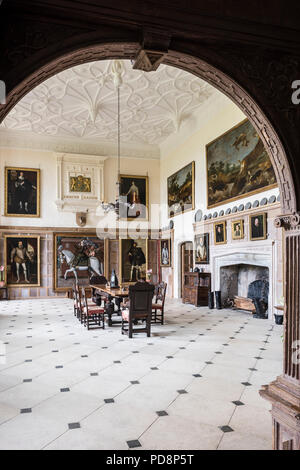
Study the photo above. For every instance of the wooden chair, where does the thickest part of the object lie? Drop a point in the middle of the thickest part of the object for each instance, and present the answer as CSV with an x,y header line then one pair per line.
x,y
76,300
92,316
159,303
140,305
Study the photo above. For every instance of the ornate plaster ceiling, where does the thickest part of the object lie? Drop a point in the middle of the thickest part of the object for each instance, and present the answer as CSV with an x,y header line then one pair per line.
x,y
81,102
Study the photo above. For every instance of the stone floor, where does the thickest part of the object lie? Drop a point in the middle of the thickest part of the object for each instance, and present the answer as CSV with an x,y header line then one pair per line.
x,y
192,385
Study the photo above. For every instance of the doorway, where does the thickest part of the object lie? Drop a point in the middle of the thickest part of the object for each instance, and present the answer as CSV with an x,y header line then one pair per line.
x,y
187,261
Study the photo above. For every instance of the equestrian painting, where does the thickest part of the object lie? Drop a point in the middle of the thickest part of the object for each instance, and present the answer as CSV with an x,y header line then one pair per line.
x,y
77,258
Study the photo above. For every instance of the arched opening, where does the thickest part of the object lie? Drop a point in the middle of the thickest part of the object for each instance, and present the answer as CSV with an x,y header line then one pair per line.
x,y
198,68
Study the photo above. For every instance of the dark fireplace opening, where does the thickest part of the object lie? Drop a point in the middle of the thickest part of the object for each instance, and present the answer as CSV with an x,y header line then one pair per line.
x,y
234,285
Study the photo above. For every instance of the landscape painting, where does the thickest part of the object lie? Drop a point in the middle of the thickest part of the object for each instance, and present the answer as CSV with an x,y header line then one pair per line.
x,y
181,190
77,257
237,165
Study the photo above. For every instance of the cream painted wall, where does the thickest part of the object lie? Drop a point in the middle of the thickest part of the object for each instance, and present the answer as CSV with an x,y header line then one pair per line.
x,y
217,117
46,162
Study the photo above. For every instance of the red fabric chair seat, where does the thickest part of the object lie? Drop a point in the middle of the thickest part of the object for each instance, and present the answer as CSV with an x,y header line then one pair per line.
x,y
157,306
125,315
94,310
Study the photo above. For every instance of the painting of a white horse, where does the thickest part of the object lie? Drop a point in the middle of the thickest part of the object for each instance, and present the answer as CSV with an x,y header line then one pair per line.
x,y
77,258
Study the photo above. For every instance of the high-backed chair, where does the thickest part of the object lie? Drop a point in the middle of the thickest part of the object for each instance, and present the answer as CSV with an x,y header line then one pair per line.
x,y
76,300
92,315
139,308
159,303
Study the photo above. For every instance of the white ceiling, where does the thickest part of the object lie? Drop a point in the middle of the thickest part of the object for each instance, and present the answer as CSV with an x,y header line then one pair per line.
x,y
81,102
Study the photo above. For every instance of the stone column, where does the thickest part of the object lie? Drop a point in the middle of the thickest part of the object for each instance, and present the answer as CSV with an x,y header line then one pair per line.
x,y
284,392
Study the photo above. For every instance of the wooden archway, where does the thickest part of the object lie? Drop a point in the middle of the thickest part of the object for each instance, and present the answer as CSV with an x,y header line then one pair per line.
x,y
284,393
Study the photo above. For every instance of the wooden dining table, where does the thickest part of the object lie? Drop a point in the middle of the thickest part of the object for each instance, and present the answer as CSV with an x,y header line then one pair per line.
x,y
117,294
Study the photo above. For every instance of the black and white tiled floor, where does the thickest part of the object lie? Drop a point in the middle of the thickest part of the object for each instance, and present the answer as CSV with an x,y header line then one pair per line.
x,y
193,385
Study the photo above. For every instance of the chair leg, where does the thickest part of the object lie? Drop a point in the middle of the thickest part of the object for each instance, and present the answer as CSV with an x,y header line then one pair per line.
x,y
130,330
148,328
162,316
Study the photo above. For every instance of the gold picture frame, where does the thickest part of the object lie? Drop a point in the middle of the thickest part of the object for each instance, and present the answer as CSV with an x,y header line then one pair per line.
x,y
177,190
15,205
259,228
71,238
139,184
237,229
165,258
220,237
243,129
125,244
31,268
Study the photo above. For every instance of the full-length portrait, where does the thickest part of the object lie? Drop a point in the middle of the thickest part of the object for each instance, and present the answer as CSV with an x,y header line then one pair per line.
x,y
22,260
22,192
165,252
133,259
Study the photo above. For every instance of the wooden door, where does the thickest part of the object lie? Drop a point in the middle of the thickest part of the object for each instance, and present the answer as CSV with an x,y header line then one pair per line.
x,y
187,260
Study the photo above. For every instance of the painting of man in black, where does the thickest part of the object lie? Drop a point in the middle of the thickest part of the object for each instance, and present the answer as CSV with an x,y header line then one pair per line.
x,y
136,258
258,227
22,192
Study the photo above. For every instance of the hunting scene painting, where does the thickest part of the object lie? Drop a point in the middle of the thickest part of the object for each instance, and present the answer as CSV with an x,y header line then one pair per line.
x,y
77,258
181,190
237,165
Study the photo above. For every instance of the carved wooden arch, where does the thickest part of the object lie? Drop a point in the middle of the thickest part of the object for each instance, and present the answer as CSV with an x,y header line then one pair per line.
x,y
192,64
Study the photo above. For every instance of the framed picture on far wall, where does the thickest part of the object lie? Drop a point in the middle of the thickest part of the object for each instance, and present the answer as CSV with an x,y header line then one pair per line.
x,y
237,229
134,191
22,192
220,233
165,253
237,165
181,190
258,226
76,256
133,260
202,248
22,260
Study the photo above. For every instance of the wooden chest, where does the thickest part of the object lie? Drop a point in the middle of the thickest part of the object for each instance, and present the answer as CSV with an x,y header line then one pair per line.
x,y
196,288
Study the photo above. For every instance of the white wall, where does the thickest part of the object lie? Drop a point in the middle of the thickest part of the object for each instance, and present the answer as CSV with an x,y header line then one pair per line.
x,y
218,116
46,162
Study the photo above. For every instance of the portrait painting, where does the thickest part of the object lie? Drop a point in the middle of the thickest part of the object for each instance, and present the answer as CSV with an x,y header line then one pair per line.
x,y
258,226
133,260
22,260
202,248
165,252
80,184
77,257
237,229
237,166
181,190
220,233
134,197
22,192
